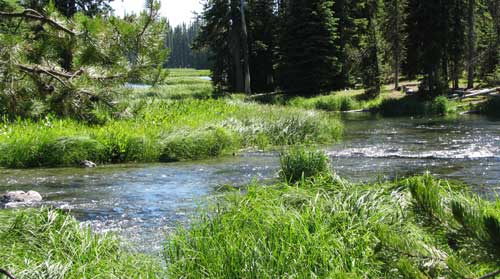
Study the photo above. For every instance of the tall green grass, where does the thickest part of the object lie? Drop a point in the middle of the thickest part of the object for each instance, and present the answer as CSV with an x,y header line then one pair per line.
x,y
43,244
413,106
329,228
299,163
166,130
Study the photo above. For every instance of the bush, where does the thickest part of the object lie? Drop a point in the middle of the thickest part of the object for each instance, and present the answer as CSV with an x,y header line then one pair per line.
x,y
336,103
299,163
196,146
413,106
49,244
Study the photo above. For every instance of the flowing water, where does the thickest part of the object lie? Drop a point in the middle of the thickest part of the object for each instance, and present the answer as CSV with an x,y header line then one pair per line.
x,y
144,202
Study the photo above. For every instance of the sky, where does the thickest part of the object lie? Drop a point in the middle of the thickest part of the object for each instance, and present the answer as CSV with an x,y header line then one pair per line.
x,y
177,11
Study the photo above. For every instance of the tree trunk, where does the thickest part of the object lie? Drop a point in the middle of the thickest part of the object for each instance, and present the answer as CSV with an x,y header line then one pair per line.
x,y
397,48
246,62
471,39
237,82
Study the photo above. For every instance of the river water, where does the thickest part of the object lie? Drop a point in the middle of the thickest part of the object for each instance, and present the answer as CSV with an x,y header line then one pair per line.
x,y
144,202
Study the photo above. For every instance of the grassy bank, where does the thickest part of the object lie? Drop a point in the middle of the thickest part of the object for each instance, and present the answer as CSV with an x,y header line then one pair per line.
x,y
181,120
325,227
36,244
163,130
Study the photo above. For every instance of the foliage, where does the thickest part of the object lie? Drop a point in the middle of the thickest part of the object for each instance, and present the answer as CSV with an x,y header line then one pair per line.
x,y
49,244
307,68
412,106
155,127
299,163
196,146
180,40
53,64
329,228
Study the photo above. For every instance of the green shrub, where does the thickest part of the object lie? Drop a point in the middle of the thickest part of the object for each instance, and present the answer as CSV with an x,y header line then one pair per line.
x,y
299,163
336,103
441,106
49,244
66,151
413,106
196,146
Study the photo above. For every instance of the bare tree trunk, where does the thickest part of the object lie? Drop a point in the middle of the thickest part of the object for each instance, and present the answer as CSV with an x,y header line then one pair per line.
x,y
471,39
246,58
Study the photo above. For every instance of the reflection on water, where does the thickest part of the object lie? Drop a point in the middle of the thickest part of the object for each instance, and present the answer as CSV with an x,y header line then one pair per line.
x,y
142,202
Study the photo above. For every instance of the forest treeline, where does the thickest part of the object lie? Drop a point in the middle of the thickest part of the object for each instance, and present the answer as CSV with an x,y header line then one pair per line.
x,y
313,46
180,40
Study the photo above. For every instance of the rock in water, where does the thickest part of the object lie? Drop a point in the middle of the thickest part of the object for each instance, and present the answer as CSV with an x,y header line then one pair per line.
x,y
87,164
22,197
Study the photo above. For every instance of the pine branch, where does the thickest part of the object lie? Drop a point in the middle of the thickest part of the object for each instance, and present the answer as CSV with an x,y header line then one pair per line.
x,y
34,15
59,75
6,273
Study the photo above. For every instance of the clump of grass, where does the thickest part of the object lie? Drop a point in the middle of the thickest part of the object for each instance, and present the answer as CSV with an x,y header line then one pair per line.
x,y
413,106
335,102
299,163
196,146
49,244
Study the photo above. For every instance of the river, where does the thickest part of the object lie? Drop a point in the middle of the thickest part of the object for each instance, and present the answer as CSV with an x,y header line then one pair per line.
x,y
144,202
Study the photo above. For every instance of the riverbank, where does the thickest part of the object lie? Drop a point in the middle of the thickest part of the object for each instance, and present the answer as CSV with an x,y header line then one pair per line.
x,y
176,122
316,225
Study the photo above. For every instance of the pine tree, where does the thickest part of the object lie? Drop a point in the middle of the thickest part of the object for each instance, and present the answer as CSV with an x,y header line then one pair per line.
x,y
262,35
456,38
308,47
431,46
393,30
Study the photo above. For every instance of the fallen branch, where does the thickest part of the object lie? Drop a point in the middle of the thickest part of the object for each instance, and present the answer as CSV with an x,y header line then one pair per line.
x,y
32,14
6,273
463,94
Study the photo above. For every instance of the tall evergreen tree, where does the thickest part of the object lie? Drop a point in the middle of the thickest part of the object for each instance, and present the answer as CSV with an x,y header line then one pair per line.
x,y
393,30
431,59
456,14
262,34
370,59
308,47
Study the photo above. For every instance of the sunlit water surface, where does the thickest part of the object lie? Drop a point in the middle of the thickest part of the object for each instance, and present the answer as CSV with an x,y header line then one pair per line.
x,y
144,202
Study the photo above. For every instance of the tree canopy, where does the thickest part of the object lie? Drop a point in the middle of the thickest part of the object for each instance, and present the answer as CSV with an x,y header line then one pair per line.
x,y
50,62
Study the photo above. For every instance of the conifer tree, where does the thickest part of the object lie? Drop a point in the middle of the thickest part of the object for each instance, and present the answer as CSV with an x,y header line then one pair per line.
x,y
393,30
262,35
308,47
